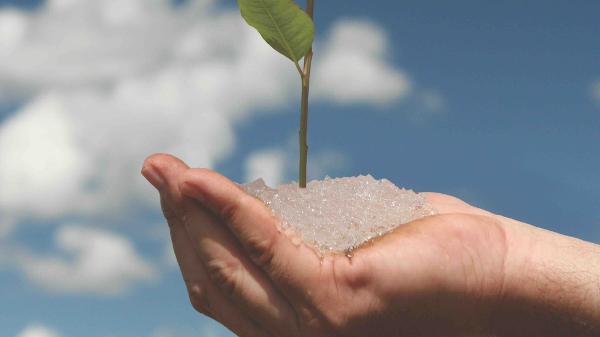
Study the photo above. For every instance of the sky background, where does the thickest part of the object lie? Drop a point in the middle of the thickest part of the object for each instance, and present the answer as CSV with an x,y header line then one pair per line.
x,y
497,103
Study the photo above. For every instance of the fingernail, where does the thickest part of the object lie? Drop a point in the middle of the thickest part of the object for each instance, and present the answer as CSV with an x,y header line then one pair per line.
x,y
153,176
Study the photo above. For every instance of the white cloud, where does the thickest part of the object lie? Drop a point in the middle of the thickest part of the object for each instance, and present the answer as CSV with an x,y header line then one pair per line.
x,y
40,156
13,26
277,165
108,82
326,163
269,164
91,261
106,94
73,43
595,91
352,66
37,330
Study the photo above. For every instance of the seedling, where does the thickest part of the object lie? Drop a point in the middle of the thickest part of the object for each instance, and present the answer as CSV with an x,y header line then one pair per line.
x,y
290,31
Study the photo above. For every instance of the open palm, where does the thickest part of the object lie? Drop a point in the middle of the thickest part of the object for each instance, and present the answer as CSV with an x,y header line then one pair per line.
x,y
437,276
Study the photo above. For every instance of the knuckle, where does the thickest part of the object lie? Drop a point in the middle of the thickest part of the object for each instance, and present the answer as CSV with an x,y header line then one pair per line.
x,y
357,277
261,250
231,212
226,275
199,299
259,247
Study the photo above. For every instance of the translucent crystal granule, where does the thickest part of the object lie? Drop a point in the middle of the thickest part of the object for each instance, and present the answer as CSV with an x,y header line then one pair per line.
x,y
337,215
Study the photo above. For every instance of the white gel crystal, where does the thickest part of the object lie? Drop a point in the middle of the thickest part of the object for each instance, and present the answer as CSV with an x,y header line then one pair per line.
x,y
338,215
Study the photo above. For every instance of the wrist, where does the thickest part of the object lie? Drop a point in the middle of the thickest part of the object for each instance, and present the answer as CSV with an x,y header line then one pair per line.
x,y
551,284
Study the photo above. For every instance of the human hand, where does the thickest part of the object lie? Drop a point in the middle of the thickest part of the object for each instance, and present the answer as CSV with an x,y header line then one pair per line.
x,y
458,273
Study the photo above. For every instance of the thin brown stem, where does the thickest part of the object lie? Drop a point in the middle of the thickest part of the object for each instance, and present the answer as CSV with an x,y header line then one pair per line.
x,y
303,133
310,8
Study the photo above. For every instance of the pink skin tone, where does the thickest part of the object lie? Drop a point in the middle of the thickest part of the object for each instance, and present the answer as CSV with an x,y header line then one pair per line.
x,y
462,272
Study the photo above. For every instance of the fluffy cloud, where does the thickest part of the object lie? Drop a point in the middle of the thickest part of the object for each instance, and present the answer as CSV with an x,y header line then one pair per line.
x,y
277,165
91,261
107,89
37,330
74,43
107,82
40,156
352,67
268,164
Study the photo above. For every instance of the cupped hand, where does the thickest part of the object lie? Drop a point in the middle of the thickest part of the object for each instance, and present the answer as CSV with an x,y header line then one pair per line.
x,y
443,275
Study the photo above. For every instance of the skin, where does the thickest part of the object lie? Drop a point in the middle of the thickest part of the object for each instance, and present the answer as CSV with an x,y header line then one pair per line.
x,y
462,272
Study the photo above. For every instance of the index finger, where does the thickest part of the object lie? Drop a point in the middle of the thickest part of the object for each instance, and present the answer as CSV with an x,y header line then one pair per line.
x,y
255,227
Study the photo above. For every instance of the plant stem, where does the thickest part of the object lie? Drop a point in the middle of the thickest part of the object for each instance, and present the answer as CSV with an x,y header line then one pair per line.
x,y
305,76
303,133
310,7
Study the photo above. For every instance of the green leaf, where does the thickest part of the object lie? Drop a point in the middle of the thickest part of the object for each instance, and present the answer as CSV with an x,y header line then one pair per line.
x,y
284,25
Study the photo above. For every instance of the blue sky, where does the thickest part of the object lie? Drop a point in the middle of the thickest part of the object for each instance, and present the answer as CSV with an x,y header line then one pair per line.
x,y
497,103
